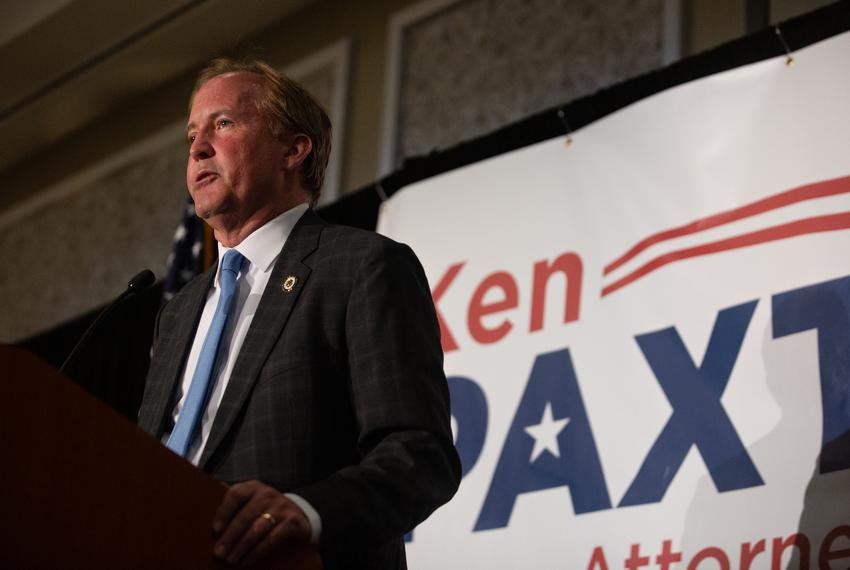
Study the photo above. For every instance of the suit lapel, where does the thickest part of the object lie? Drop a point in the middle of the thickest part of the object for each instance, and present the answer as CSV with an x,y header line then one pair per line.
x,y
269,321
187,322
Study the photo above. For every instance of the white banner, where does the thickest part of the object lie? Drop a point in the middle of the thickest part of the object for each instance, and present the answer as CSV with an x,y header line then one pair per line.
x,y
647,332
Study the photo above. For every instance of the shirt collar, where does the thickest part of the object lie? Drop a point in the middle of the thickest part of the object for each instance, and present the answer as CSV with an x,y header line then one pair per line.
x,y
263,245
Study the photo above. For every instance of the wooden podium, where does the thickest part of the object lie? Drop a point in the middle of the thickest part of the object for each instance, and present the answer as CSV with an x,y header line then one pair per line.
x,y
82,487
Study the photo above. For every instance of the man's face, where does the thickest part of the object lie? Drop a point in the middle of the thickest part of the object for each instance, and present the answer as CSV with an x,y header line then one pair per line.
x,y
235,167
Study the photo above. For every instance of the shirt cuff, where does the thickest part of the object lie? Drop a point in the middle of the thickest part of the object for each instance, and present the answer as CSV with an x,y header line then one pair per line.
x,y
310,513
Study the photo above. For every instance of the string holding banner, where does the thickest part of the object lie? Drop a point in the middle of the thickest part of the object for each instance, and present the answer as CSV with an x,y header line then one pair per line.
x,y
379,190
789,57
567,128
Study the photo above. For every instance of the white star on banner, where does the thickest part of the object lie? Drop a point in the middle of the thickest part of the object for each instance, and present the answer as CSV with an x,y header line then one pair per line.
x,y
545,434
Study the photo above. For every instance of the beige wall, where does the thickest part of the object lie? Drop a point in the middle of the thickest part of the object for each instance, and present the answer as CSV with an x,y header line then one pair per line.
x,y
319,25
711,22
784,9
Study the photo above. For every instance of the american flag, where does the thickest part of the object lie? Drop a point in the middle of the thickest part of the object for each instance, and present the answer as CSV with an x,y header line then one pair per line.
x,y
186,259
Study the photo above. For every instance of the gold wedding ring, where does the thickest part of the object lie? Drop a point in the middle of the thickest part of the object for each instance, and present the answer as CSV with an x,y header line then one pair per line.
x,y
271,520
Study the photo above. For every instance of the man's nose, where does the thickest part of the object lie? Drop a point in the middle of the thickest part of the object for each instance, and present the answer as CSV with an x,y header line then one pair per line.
x,y
201,148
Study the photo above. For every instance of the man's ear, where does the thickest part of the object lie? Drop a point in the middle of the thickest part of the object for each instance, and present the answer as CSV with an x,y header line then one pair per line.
x,y
297,150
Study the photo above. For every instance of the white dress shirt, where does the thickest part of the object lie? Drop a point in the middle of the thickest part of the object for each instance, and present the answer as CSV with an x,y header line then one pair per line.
x,y
260,249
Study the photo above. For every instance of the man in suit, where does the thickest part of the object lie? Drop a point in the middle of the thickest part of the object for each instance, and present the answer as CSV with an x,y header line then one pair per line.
x,y
325,405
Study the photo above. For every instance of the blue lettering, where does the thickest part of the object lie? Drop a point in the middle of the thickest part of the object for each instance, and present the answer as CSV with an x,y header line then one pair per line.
x,y
549,444
824,307
698,416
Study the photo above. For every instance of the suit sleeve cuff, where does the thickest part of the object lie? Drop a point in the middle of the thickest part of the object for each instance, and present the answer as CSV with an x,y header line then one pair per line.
x,y
310,513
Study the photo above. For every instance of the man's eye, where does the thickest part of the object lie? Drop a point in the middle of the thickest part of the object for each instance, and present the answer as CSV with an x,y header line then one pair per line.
x,y
190,139
223,123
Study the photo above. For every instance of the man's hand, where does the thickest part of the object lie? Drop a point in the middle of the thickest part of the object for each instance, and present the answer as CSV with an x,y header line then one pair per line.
x,y
253,518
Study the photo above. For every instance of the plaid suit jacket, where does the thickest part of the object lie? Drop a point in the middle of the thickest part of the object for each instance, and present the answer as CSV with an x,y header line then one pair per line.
x,y
338,393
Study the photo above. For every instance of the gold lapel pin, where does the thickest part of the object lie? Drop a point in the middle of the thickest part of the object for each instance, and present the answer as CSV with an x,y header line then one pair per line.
x,y
289,284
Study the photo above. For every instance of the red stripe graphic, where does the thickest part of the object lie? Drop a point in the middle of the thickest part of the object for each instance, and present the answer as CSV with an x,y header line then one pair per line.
x,y
816,224
799,194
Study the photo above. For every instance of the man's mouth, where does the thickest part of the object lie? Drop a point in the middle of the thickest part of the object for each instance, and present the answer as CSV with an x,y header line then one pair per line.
x,y
205,175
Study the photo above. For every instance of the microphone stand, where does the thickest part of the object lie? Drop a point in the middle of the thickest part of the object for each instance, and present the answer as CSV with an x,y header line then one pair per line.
x,y
137,284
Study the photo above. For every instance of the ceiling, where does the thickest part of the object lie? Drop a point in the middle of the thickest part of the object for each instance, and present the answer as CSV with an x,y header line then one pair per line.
x,y
66,63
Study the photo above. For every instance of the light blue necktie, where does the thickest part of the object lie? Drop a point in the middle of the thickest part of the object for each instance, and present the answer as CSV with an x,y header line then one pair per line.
x,y
199,390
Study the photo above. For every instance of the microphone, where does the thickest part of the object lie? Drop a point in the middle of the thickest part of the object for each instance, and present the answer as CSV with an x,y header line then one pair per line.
x,y
141,281
137,284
